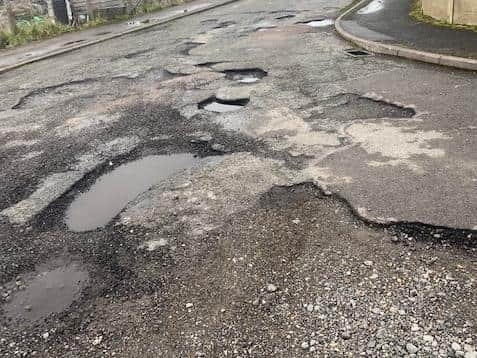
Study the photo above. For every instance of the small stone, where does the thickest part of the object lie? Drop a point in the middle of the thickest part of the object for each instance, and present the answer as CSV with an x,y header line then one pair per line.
x,y
313,342
305,345
271,287
309,308
415,327
411,348
189,305
27,308
374,276
368,263
456,346
428,338
346,335
45,335
296,221
97,340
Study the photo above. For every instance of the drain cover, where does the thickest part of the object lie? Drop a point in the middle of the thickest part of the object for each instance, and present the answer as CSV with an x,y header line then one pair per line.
x,y
357,52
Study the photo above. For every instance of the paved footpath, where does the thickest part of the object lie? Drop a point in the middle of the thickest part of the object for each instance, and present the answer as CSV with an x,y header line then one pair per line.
x,y
12,58
391,24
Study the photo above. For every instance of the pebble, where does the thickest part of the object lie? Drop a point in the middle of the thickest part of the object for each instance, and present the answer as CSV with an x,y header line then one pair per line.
x,y
45,335
305,345
368,263
189,305
415,327
271,287
411,348
97,340
456,346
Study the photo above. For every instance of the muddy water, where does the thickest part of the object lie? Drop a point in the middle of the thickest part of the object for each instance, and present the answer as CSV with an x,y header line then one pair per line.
x,y
113,191
51,289
246,75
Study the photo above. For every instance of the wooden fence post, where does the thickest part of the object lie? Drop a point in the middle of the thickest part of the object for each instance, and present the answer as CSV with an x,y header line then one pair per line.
x,y
11,19
451,11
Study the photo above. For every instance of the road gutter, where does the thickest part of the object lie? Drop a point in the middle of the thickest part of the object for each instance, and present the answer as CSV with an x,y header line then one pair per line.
x,y
401,51
113,36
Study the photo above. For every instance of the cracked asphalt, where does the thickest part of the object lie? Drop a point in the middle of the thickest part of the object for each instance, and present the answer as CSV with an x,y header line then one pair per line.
x,y
330,210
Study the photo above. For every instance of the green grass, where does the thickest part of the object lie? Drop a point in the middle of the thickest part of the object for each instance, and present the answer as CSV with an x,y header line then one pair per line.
x,y
43,28
418,15
28,31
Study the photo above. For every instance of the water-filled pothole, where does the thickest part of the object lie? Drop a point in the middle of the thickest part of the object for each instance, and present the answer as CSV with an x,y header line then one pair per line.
x,y
357,52
283,17
220,106
51,289
372,7
114,190
248,75
324,22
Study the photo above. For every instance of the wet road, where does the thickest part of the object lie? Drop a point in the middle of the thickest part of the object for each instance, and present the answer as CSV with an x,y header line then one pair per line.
x,y
236,184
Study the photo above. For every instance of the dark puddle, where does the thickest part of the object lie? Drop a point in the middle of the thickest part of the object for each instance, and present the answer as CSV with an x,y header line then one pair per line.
x,y
357,52
51,289
250,75
348,107
103,33
113,191
220,106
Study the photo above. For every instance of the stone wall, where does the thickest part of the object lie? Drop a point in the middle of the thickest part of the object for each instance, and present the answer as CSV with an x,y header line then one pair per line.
x,y
452,11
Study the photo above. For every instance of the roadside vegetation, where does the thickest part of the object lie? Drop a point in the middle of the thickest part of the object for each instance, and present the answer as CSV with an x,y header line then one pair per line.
x,y
417,14
40,28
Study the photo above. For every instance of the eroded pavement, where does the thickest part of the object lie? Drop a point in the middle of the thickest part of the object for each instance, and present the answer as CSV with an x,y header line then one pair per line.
x,y
318,203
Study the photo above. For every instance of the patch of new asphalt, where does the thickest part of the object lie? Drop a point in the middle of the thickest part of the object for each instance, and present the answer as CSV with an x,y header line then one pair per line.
x,y
393,25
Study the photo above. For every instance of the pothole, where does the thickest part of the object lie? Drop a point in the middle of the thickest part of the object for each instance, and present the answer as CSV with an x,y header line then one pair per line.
x,y
354,52
349,107
189,46
73,42
224,24
250,75
265,28
113,191
221,106
324,22
51,289
283,17
372,7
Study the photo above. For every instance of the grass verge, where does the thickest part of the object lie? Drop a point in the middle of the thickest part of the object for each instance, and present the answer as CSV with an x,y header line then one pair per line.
x,y
418,15
43,28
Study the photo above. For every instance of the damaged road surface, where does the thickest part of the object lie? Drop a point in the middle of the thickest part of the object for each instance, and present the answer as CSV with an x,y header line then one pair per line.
x,y
238,183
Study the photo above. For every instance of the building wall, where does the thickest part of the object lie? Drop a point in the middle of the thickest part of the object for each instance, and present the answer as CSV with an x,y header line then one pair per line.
x,y
465,11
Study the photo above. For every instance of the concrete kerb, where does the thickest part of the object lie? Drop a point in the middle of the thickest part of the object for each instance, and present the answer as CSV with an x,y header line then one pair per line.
x,y
401,51
106,38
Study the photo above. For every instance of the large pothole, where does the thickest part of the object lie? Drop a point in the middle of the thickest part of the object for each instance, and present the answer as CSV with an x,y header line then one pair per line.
x,y
113,191
247,75
52,288
214,104
348,107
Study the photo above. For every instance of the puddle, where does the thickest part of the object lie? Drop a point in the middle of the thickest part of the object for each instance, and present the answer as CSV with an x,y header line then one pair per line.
x,y
113,191
350,107
51,289
372,7
320,23
103,33
219,106
251,75
357,52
